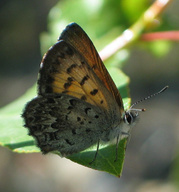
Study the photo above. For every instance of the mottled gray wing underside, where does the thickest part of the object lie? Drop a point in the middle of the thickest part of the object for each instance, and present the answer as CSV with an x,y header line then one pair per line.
x,y
64,123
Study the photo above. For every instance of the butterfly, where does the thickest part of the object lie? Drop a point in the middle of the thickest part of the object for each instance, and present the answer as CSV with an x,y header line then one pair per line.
x,y
78,105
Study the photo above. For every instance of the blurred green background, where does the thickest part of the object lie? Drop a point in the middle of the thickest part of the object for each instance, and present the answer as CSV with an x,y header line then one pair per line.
x,y
152,161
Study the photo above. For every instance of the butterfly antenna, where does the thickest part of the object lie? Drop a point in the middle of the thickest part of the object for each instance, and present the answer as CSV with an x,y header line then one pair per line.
x,y
150,96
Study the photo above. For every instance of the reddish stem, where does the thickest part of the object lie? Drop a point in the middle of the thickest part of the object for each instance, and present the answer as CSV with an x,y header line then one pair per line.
x,y
168,35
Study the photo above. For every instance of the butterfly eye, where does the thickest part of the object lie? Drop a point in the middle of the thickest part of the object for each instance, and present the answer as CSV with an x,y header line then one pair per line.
x,y
130,117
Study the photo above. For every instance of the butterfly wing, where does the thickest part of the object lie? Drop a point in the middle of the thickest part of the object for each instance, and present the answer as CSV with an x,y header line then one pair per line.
x,y
76,36
65,70
63,123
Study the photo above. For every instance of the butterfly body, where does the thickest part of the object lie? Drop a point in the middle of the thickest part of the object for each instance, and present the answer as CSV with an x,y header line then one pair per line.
x,y
78,104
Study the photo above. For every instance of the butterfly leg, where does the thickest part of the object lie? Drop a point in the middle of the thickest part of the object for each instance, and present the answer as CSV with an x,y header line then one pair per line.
x,y
96,152
128,136
117,144
119,137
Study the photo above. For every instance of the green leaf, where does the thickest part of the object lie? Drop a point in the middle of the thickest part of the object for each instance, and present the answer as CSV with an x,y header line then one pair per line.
x,y
105,160
13,135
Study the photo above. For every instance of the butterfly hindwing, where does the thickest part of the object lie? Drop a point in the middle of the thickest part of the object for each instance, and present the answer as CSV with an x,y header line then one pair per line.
x,y
64,123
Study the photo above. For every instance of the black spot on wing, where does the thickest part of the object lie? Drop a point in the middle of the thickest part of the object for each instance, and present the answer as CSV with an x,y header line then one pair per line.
x,y
69,142
73,102
94,92
78,119
71,68
67,85
85,78
69,79
87,109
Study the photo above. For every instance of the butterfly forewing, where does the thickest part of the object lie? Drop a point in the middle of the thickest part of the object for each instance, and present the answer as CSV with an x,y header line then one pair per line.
x,y
65,70
76,36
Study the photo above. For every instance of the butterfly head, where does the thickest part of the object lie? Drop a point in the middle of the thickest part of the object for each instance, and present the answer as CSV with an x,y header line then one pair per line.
x,y
130,117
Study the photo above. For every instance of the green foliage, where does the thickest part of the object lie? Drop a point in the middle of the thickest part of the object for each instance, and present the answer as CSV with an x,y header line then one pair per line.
x,y
13,134
103,20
